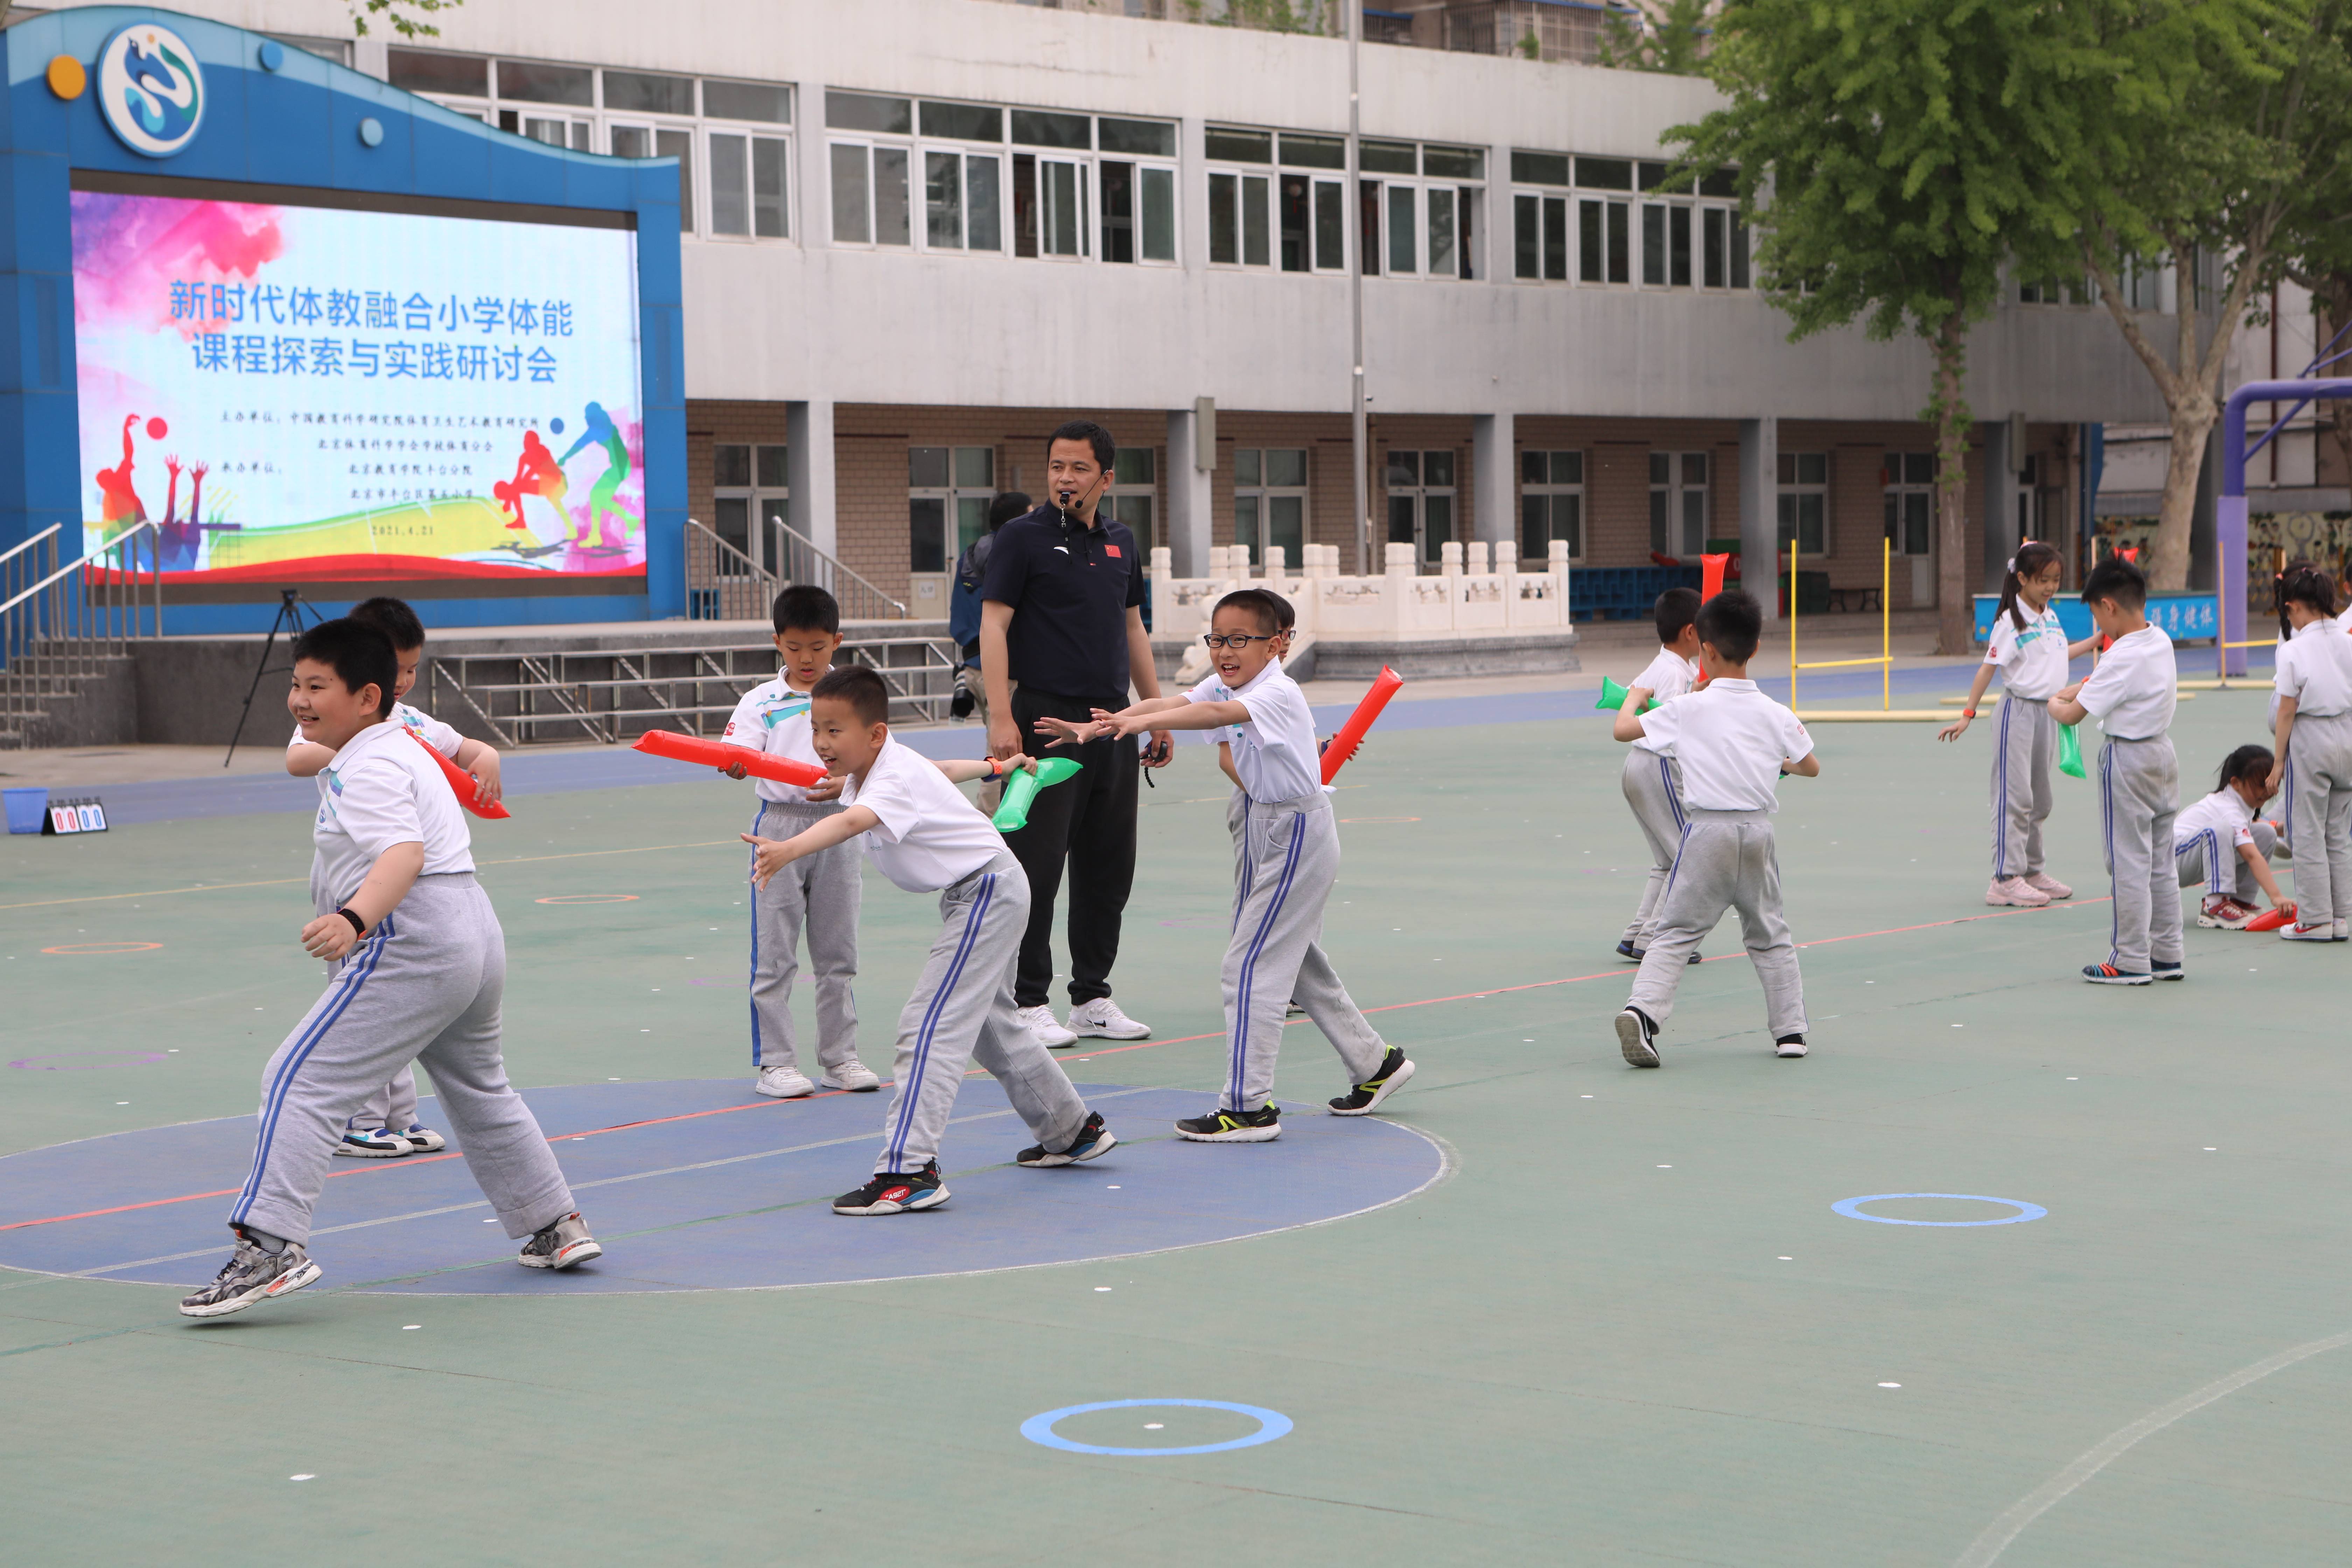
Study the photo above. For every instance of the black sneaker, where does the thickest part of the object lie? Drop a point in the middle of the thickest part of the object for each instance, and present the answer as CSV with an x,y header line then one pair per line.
x,y
1365,1097
1636,1034
1788,1045
1627,950
1261,1126
560,1244
2167,970
1093,1139
252,1276
888,1193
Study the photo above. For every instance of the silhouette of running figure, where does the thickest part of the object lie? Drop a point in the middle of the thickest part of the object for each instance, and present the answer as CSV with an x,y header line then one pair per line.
x,y
602,506
538,465
121,507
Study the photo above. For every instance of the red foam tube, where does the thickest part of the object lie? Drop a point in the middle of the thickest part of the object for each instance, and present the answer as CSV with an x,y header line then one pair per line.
x,y
1710,570
720,755
1351,735
460,782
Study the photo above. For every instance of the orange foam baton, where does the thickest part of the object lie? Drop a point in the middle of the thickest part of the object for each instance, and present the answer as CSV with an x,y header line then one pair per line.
x,y
460,781
1351,735
1710,575
720,755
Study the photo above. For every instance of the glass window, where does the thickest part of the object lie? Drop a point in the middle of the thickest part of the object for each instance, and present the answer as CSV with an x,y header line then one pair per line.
x,y
1158,200
730,185
631,142
1117,181
1330,226
430,70
1678,247
890,217
943,200
736,101
1909,479
1405,229
1300,152
1678,509
948,492
1388,158
1605,174
1444,260
679,144
1133,490
1148,138
1064,204
1421,498
983,203
1654,245
964,121
851,220
1270,502
1539,168
634,92
1225,218
1232,147
1454,163
1739,252
749,498
768,214
1035,128
530,82
1719,182
1804,502
1551,504
1714,272
864,111
1605,242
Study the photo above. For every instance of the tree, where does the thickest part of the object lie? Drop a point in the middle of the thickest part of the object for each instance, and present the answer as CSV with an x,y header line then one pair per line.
x,y
398,12
1891,157
2214,107
2315,239
1672,41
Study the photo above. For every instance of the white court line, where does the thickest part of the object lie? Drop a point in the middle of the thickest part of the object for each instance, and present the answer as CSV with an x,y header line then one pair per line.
x,y
1988,1547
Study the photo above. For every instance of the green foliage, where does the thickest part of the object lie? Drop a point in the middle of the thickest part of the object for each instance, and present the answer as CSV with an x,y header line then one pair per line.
x,y
1530,47
1275,16
404,15
1672,41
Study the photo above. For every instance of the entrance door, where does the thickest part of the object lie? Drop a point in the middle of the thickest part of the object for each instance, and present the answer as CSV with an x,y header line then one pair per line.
x,y
1910,481
1421,502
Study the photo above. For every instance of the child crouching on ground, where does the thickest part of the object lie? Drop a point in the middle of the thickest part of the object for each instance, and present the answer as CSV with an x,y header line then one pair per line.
x,y
2220,844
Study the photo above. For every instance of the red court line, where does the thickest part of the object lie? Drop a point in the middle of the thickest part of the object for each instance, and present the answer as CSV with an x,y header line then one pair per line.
x,y
1104,1051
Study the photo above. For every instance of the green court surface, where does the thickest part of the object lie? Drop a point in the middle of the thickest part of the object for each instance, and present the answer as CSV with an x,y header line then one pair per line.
x,y
1627,1326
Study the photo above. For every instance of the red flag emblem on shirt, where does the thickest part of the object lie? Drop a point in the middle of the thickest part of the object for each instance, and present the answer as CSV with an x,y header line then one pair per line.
x,y
1111,549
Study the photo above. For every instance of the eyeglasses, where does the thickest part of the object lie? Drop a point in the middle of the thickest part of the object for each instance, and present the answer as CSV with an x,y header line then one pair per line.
x,y
1236,639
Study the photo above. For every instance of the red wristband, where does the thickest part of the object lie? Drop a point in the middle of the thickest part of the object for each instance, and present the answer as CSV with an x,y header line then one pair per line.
x,y
1968,712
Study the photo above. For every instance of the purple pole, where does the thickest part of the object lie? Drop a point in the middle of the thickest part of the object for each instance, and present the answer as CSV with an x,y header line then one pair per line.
x,y
2230,511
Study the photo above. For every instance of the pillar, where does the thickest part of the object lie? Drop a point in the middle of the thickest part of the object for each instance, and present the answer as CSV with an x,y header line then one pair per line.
x,y
1494,480
2002,458
808,468
1192,464
1759,512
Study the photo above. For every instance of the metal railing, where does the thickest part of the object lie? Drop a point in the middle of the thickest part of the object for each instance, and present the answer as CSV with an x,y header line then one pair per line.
x,y
723,583
62,620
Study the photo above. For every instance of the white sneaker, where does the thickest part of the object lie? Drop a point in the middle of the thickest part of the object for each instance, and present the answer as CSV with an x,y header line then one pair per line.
x,y
784,1083
1101,1019
1039,1021
2299,931
854,1076
2343,930
2043,882
2016,890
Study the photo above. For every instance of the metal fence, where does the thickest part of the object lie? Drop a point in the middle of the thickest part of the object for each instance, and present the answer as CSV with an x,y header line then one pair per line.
x,y
723,583
63,618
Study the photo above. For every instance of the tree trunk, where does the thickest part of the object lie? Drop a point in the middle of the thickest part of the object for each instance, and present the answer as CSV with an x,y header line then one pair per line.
x,y
2166,561
2333,293
1955,611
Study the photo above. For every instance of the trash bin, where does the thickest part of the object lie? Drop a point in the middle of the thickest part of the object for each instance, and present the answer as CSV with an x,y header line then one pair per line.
x,y
28,809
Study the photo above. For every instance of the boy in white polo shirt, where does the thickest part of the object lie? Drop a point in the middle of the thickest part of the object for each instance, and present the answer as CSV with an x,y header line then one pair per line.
x,y
2133,693
1735,744
422,972
820,892
1651,782
2313,714
927,837
1290,861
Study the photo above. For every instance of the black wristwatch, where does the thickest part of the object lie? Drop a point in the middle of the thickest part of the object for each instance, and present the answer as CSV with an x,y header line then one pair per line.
x,y
358,926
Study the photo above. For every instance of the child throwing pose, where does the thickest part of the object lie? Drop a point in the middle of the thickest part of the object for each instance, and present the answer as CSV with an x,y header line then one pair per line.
x,y
2314,715
2220,844
1652,781
2028,649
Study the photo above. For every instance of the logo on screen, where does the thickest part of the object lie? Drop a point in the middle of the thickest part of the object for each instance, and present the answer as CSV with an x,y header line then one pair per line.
x,y
151,90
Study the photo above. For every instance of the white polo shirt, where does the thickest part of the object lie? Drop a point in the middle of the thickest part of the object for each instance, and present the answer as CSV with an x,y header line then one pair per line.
x,y
929,836
380,791
2314,667
2033,662
2224,811
1668,676
1274,752
2133,692
1731,740
437,735
774,718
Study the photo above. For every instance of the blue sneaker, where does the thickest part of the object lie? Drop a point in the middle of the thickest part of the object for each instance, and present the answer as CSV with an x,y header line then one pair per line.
x,y
425,1140
379,1143
1094,1139
2167,970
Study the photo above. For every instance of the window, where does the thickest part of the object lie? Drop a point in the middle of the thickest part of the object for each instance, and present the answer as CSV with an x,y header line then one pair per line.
x,y
1134,486
948,492
1421,502
1673,230
869,179
1417,226
1551,503
1909,478
1539,217
749,502
1270,502
1678,515
1605,241
1241,199
747,185
1804,502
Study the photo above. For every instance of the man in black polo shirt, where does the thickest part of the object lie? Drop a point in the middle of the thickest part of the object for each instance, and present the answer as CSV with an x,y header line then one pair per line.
x,y
1061,633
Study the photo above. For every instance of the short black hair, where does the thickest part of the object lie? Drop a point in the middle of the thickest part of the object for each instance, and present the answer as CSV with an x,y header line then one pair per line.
x,y
857,686
1675,608
395,619
1732,623
360,654
1273,611
803,607
1008,505
2118,581
1087,430
2245,763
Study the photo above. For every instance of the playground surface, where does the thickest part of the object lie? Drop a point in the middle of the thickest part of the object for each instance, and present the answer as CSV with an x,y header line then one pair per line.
x,y
1545,1307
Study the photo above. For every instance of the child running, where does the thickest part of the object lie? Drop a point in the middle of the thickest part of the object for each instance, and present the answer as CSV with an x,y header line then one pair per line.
x,y
2314,715
385,1127
927,837
1734,745
1651,780
1283,879
2230,876
2028,649
423,968
2133,694
818,893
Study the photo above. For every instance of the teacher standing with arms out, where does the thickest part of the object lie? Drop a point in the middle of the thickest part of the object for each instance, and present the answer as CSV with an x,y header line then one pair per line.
x,y
1061,633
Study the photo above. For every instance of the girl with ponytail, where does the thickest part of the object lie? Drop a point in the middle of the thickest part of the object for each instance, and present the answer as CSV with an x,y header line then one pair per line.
x,y
2028,648
2221,845
2312,714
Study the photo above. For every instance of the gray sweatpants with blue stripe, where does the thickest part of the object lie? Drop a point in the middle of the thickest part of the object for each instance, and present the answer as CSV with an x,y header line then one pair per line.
x,y
393,1104
961,1012
1653,788
818,893
1290,859
2140,796
1728,860
425,985
2319,813
2024,748
2204,858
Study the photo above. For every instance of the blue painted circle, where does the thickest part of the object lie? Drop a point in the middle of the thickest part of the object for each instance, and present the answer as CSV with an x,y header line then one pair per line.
x,y
1039,1429
1852,1209
556,427
370,131
273,54
701,1184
